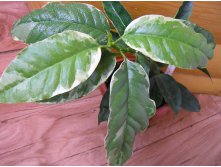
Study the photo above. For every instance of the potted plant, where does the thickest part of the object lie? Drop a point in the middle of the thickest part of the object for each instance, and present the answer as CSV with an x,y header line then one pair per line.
x,y
72,50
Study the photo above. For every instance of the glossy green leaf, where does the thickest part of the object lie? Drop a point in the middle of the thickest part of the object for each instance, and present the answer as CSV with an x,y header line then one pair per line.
x,y
130,108
189,101
100,75
57,17
50,67
104,107
185,10
168,41
169,90
118,15
205,71
208,35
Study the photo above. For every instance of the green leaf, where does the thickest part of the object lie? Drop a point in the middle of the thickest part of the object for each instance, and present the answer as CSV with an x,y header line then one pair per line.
x,y
104,107
130,108
100,75
208,35
205,71
144,62
50,67
121,44
185,10
118,15
57,17
189,102
169,90
155,93
168,41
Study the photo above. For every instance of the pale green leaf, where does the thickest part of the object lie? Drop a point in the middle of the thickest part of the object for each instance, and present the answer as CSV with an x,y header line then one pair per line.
x,y
168,41
100,75
50,67
130,109
57,17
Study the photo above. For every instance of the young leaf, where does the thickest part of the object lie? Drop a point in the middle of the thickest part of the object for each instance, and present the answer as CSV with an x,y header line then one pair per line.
x,y
117,14
169,90
50,67
168,41
185,10
104,107
130,108
189,102
57,17
100,75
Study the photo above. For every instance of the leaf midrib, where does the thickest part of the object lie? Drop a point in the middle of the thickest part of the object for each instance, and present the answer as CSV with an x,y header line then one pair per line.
x,y
18,83
163,37
61,21
118,15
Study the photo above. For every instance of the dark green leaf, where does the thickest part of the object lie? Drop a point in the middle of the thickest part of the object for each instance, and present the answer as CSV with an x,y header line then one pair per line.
x,y
104,107
57,17
205,71
100,75
168,41
118,15
130,108
50,67
189,102
169,90
185,10
155,93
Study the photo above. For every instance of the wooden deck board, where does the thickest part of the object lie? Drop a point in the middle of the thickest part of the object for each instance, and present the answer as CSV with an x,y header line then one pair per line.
x,y
9,13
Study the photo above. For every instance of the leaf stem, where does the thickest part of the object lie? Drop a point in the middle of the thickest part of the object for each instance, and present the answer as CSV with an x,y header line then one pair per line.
x,y
114,42
122,54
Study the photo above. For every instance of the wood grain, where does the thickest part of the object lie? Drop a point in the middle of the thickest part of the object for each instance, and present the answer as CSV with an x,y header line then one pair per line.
x,y
9,13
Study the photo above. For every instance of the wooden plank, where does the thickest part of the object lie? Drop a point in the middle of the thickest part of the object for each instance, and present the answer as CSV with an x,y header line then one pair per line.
x,y
159,129
198,145
9,13
82,143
